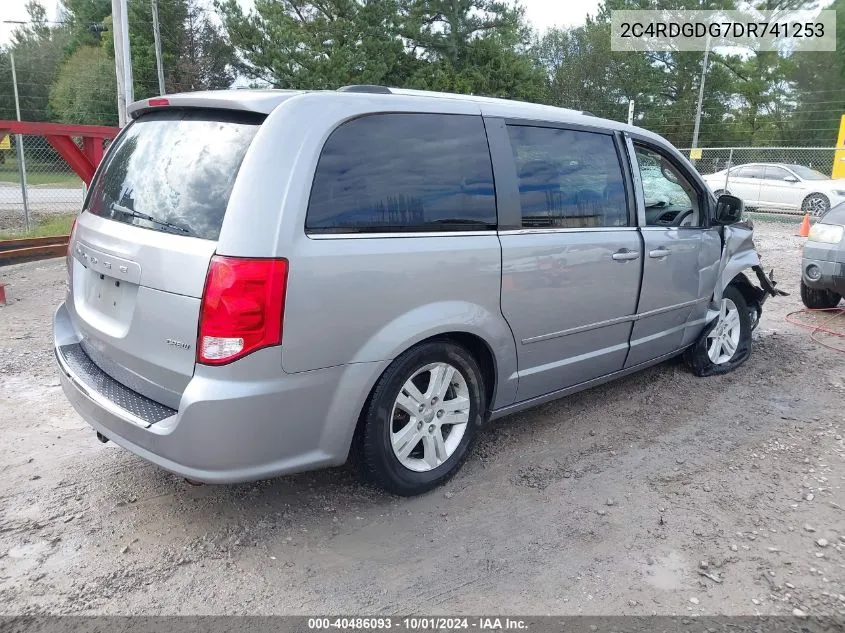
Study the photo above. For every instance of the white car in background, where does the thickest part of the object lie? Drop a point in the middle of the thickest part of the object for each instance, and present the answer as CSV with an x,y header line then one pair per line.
x,y
779,186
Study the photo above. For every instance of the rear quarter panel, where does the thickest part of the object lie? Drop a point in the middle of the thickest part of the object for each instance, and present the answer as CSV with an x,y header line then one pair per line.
x,y
360,300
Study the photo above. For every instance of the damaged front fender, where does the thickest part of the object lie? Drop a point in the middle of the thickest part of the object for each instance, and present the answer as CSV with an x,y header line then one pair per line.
x,y
738,255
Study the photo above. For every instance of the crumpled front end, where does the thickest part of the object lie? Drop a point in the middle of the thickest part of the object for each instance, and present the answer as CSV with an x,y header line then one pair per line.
x,y
738,255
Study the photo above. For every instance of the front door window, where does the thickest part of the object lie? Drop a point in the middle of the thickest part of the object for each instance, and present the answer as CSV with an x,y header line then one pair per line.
x,y
670,199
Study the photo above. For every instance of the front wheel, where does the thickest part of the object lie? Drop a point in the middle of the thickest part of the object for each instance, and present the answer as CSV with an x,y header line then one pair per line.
x,y
726,342
818,298
422,417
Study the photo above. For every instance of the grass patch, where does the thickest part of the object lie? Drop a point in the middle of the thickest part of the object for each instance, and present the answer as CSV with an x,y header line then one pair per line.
x,y
35,178
45,227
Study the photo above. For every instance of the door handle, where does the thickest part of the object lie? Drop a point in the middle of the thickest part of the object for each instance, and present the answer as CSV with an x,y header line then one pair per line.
x,y
625,255
659,252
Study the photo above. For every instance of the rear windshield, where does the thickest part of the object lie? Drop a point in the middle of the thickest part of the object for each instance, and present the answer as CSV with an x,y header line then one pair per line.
x,y
173,171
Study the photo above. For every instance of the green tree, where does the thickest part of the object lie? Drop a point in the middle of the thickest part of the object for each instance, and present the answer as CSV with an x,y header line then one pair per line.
x,y
206,61
488,69
671,82
819,80
85,19
195,55
84,91
317,44
473,46
584,74
172,17
38,50
762,94
748,98
477,46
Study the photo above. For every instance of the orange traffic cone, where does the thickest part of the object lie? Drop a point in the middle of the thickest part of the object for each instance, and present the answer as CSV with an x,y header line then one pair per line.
x,y
804,231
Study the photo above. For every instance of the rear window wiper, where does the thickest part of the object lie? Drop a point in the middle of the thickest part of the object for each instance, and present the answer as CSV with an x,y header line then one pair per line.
x,y
143,216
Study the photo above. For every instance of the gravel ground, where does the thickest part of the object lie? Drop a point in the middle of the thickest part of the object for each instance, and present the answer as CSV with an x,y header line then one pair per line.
x,y
658,493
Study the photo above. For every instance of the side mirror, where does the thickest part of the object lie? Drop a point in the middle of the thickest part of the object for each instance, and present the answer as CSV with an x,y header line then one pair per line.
x,y
668,174
791,179
729,209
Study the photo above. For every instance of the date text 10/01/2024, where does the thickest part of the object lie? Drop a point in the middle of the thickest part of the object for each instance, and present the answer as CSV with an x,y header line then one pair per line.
x,y
418,623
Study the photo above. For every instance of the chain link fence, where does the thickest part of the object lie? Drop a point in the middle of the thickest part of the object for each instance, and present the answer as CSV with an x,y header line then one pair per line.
x,y
53,191
782,180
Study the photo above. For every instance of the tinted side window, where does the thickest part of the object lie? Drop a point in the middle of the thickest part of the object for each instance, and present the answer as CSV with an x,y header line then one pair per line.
x,y
568,178
749,171
404,172
776,173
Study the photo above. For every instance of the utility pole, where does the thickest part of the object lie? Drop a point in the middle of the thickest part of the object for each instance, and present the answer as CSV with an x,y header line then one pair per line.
x,y
630,112
157,38
19,141
700,95
122,58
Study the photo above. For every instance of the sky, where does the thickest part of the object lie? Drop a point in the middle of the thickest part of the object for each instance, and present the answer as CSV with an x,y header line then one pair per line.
x,y
541,13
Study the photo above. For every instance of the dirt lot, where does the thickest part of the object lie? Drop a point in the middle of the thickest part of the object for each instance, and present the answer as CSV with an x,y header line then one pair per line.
x,y
614,501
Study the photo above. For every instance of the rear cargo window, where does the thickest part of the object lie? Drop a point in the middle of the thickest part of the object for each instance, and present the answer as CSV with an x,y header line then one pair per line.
x,y
174,170
404,172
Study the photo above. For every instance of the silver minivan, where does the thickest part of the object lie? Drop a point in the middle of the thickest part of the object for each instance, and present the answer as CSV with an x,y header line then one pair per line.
x,y
265,282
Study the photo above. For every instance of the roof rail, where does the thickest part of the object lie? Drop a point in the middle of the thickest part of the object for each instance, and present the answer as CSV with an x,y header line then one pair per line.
x,y
380,90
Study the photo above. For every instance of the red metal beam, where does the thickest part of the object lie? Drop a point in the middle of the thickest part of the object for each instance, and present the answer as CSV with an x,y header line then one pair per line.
x,y
83,161
57,129
74,156
93,149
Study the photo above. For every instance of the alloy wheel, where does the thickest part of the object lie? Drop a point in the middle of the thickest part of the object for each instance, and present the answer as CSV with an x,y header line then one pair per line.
x,y
816,205
723,339
429,417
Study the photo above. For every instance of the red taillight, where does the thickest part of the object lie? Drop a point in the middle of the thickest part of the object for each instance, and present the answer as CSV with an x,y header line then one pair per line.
x,y
158,102
242,308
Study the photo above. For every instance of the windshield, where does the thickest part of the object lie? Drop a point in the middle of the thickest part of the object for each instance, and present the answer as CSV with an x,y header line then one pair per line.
x,y
173,171
808,174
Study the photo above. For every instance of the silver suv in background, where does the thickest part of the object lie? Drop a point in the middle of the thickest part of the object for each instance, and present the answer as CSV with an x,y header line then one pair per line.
x,y
262,282
823,263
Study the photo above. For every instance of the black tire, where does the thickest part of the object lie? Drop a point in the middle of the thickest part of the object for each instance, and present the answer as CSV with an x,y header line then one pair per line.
x,y
819,298
378,461
816,204
697,358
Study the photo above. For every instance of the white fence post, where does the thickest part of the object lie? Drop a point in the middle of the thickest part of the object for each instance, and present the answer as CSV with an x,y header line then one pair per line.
x,y
19,139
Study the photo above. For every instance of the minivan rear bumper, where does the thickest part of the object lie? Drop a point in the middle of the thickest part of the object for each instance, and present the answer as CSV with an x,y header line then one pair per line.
x,y
228,428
